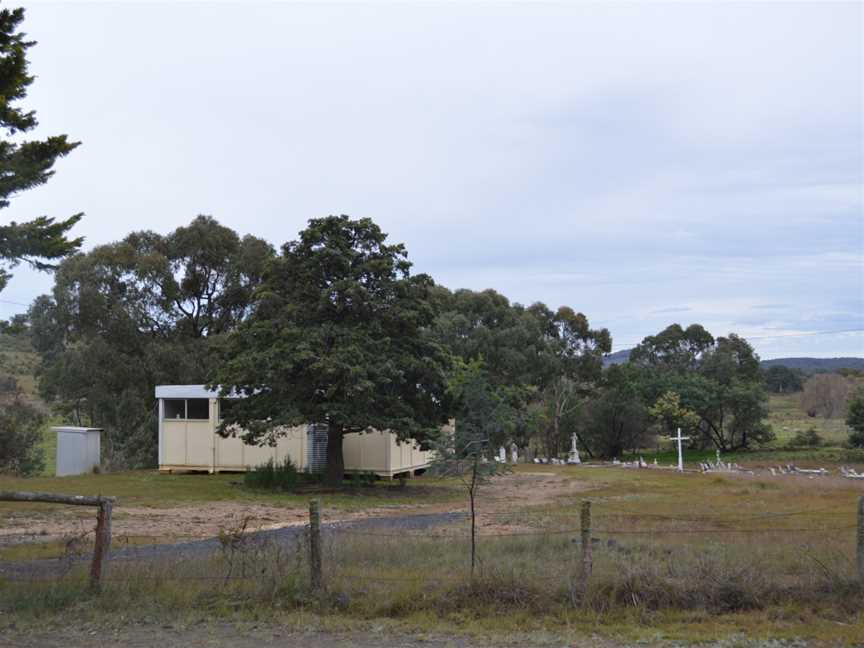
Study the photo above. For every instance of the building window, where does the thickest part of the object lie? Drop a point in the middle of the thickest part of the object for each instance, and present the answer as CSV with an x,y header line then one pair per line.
x,y
198,409
175,408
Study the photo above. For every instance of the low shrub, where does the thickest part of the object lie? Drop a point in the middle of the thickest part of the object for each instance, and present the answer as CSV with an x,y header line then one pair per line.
x,y
272,475
365,478
809,438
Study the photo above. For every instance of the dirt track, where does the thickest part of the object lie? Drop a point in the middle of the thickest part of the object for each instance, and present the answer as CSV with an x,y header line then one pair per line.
x,y
285,526
208,520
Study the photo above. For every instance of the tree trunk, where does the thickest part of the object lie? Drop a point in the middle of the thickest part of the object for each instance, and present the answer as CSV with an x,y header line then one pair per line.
x,y
585,446
555,432
335,470
471,492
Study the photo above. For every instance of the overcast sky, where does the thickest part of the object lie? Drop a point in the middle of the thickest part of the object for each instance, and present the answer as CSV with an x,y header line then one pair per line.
x,y
643,163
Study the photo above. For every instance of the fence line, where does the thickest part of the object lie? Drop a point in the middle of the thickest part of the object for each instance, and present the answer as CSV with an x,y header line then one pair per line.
x,y
578,530
314,532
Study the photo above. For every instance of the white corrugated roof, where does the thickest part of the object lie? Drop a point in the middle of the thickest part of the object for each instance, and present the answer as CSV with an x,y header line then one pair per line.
x,y
185,391
75,429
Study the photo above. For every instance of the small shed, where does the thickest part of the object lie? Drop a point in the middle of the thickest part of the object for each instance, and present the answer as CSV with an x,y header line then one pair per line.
x,y
190,414
79,450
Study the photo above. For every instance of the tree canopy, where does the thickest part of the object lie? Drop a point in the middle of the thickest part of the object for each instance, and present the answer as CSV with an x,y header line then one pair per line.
x,y
673,348
780,379
26,164
719,380
855,419
338,335
126,316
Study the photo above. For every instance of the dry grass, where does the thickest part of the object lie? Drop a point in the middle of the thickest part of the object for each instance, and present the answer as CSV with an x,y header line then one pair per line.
x,y
525,583
787,418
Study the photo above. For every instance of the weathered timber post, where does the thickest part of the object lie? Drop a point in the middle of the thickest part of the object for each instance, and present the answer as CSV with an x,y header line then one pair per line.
x,y
586,540
861,538
103,543
103,521
315,544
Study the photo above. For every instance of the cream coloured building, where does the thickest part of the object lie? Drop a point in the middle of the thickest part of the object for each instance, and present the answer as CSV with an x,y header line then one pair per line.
x,y
190,414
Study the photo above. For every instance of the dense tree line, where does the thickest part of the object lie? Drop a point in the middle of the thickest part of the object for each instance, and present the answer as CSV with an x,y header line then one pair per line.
x,y
149,309
335,328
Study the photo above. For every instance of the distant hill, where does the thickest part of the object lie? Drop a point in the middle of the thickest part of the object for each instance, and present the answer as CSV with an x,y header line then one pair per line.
x,y
812,365
619,357
807,365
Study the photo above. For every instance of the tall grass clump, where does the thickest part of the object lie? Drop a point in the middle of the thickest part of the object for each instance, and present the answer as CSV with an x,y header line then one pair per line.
x,y
281,476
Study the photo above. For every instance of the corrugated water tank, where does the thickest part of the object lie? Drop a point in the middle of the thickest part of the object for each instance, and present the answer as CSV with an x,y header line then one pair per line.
x,y
316,447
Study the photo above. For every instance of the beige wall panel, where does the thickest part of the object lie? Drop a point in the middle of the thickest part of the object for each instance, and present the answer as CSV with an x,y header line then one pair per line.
x,y
366,451
229,452
174,438
352,450
254,455
293,445
199,443
397,461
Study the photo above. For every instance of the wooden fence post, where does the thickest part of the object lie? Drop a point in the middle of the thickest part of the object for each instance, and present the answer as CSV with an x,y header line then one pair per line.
x,y
103,521
315,544
861,538
103,543
586,540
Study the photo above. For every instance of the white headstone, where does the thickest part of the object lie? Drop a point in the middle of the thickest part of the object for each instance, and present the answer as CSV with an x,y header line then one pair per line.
x,y
574,458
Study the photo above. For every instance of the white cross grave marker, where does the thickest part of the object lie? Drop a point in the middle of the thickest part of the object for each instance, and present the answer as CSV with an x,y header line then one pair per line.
x,y
679,439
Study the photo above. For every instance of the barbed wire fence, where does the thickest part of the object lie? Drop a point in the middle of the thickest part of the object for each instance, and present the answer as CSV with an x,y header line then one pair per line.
x,y
554,546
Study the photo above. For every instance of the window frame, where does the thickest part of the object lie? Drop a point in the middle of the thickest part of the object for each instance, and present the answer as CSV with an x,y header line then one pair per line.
x,y
190,418
185,416
165,416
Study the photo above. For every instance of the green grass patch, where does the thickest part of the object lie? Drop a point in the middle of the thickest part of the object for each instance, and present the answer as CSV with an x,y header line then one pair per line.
x,y
149,488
